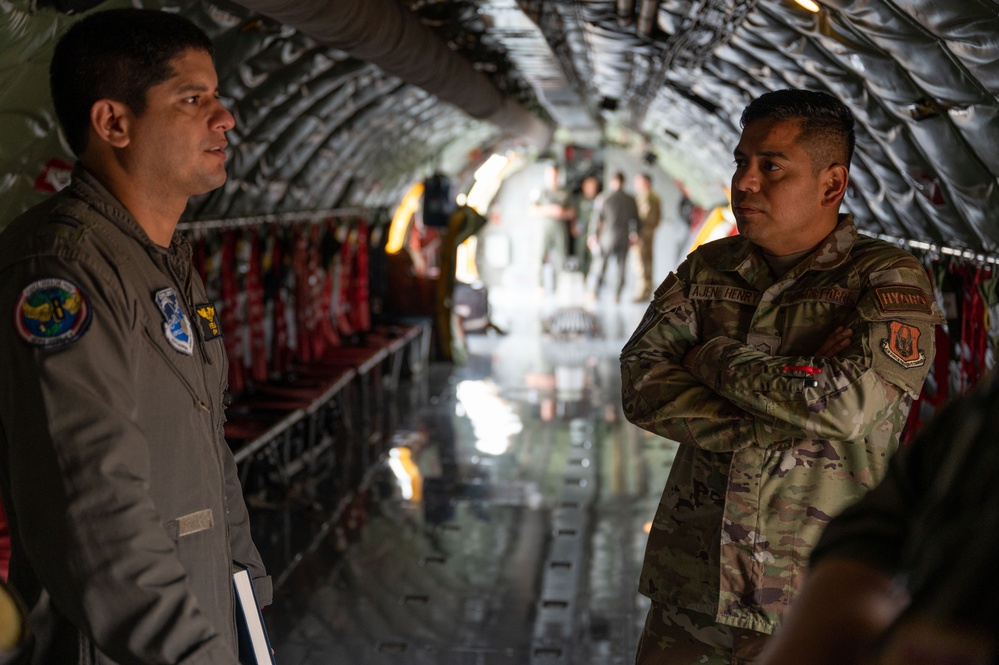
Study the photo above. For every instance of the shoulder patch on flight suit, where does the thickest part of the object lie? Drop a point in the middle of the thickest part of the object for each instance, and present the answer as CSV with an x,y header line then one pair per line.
x,y
208,319
902,345
176,327
51,312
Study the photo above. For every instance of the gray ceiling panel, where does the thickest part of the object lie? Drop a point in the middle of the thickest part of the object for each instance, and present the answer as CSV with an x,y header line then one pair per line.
x,y
319,127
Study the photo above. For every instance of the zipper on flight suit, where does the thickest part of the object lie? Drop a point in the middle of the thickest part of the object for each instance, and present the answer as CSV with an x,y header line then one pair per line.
x,y
188,300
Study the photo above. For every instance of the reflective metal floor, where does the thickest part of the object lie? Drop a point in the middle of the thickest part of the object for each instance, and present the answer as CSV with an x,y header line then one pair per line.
x,y
505,525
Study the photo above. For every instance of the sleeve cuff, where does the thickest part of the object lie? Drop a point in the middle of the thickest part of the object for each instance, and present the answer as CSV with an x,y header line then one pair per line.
x,y
264,590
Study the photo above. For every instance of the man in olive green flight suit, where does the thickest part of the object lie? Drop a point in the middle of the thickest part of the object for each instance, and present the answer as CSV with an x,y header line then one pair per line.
x,y
649,216
784,362
551,206
125,508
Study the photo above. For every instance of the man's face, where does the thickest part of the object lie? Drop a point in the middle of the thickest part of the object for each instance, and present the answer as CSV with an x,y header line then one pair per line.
x,y
779,204
641,185
177,146
590,187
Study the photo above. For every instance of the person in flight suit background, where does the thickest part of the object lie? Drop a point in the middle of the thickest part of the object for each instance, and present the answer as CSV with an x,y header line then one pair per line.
x,y
615,216
125,508
649,216
784,361
551,206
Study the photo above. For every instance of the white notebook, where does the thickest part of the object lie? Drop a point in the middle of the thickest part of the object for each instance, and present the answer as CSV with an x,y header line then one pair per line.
x,y
254,645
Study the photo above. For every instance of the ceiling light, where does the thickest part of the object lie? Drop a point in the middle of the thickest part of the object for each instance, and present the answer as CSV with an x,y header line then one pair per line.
x,y
810,5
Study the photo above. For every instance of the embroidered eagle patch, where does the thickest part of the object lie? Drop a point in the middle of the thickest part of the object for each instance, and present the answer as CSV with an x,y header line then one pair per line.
x,y
208,320
176,327
902,345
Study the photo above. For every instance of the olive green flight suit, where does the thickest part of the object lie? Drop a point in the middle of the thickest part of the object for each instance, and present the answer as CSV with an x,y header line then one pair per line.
x,y
125,508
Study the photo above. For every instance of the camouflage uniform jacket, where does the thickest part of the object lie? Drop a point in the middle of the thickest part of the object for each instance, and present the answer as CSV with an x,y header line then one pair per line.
x,y
774,442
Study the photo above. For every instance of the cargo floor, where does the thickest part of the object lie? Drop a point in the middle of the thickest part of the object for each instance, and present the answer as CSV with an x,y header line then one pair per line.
x,y
503,522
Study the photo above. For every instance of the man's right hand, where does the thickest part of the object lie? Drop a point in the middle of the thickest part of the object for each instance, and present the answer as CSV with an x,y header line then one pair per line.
x,y
836,343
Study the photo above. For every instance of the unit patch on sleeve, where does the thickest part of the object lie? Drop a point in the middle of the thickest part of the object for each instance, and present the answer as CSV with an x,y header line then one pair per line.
x,y
208,319
898,298
902,345
176,326
51,312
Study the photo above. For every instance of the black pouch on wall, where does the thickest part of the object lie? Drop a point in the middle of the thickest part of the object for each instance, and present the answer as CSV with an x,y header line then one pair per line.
x,y
438,203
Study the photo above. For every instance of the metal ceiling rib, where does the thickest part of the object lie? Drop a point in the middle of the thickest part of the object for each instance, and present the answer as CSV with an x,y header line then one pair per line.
x,y
921,76
545,63
316,127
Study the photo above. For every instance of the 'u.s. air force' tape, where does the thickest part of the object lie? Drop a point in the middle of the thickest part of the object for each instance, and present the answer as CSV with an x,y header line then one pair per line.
x,y
51,312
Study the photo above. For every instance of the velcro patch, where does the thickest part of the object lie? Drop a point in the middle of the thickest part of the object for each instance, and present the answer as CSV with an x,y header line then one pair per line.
x,y
723,292
821,294
902,345
51,313
898,298
768,344
208,321
190,524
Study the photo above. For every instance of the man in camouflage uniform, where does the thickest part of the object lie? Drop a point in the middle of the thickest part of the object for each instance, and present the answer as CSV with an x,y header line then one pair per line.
x,y
784,360
649,215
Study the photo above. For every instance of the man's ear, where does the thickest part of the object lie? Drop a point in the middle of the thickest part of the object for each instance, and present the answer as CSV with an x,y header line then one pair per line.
x,y
835,180
111,120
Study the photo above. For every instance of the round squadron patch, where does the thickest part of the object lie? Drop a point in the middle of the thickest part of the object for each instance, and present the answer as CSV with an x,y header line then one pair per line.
x,y
51,312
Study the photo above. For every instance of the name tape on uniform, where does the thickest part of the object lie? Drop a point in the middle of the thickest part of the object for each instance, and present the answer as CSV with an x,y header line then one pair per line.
x,y
835,295
723,292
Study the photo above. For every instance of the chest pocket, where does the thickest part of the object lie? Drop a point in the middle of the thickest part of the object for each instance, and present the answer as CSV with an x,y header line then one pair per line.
x,y
723,310
808,316
181,366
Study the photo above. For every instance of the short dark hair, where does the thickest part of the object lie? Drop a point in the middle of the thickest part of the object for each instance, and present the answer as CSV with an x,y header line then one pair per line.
x,y
619,178
827,126
116,54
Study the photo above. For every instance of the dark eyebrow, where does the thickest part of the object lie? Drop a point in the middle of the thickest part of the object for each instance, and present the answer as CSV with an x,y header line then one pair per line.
x,y
191,87
771,154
